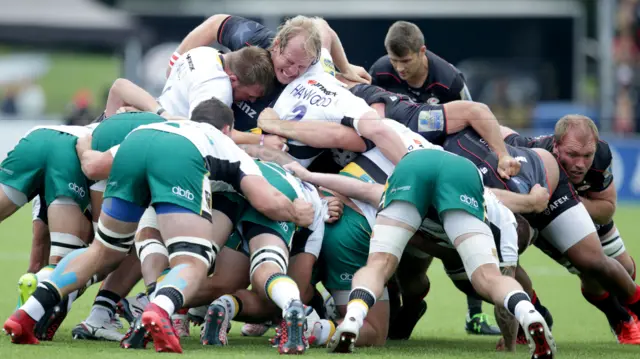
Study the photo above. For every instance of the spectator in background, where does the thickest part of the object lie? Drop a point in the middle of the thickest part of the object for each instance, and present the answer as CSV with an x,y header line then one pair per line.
x,y
80,109
626,53
8,106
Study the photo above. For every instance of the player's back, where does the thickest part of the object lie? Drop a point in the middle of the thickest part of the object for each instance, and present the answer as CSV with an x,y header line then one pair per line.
x,y
194,68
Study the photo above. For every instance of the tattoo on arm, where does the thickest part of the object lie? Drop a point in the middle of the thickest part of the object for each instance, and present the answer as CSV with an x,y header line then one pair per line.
x,y
506,321
267,154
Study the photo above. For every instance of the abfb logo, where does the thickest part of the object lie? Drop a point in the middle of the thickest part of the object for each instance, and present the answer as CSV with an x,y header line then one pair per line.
x,y
178,191
346,277
77,189
469,201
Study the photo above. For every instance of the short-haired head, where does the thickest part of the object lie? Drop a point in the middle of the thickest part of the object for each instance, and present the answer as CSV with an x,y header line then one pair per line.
x,y
215,113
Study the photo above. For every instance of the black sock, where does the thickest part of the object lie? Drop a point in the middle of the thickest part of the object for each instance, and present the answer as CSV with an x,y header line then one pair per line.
x,y
610,306
151,287
317,303
108,300
363,295
475,306
174,295
47,295
515,299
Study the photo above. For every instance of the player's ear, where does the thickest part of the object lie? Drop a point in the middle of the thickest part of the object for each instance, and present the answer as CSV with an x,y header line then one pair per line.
x,y
423,50
234,80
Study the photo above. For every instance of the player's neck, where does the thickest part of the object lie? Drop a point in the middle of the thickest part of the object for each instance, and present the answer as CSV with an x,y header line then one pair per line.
x,y
420,78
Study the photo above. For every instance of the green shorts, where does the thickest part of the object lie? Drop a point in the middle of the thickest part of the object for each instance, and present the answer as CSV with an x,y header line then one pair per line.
x,y
345,249
438,179
153,166
46,161
112,131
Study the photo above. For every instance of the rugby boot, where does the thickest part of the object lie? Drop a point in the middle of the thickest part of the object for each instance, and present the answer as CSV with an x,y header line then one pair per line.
x,y
20,327
157,323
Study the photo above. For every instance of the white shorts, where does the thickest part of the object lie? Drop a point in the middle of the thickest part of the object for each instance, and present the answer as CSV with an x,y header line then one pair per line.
x,y
569,228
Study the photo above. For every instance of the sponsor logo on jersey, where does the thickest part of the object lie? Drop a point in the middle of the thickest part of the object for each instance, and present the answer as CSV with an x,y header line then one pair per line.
x,y
484,170
433,101
521,159
77,189
180,192
430,121
584,187
553,206
393,98
346,277
284,226
246,109
469,201
7,171
318,96
328,66
398,189
190,62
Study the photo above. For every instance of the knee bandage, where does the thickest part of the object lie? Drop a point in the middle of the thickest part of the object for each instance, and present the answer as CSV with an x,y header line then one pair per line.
x,y
612,244
269,254
389,239
116,241
150,246
149,219
404,212
477,250
64,243
199,248
457,223
99,186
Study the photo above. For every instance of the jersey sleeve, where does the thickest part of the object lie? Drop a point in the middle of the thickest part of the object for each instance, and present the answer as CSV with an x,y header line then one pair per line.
x,y
236,32
459,89
518,140
218,87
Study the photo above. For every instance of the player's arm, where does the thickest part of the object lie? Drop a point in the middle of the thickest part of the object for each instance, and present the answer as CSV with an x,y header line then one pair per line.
x,y
372,127
463,114
601,205
318,134
95,165
506,321
350,187
534,202
125,93
267,154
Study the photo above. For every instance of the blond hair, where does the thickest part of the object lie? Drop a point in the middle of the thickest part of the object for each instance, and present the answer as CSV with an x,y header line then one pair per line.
x,y
252,65
580,122
300,25
403,38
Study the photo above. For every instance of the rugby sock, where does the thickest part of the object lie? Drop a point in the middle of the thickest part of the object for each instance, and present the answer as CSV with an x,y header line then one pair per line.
x,y
633,303
610,306
518,304
150,288
474,305
317,303
232,303
46,296
169,299
44,273
106,300
281,289
360,301
322,331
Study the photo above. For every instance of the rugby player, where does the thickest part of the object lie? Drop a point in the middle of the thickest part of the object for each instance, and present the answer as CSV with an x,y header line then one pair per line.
x,y
407,197
588,161
189,146
293,48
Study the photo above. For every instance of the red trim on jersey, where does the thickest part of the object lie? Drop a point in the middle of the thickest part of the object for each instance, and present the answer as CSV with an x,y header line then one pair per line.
x,y
246,43
222,28
389,74
438,84
488,165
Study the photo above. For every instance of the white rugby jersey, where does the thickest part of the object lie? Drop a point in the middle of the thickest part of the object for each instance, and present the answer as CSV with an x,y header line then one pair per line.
x,y
78,131
197,76
317,95
226,162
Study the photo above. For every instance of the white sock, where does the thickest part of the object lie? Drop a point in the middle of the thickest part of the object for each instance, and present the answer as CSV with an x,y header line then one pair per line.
x,y
358,310
282,291
72,297
522,308
229,302
44,273
99,315
165,303
33,308
323,331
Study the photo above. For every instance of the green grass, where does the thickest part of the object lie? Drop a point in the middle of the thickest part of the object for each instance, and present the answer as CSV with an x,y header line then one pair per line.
x,y
580,331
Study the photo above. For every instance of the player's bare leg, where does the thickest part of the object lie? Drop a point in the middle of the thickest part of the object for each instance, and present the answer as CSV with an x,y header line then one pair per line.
x,y
10,201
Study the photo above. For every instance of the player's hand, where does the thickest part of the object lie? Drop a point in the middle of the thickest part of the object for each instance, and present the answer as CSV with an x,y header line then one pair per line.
x,y
275,142
501,347
540,198
267,119
335,207
304,212
83,144
299,171
508,166
357,74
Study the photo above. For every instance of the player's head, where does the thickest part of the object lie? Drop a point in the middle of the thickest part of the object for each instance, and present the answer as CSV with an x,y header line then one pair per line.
x,y
575,141
215,113
251,73
405,47
297,46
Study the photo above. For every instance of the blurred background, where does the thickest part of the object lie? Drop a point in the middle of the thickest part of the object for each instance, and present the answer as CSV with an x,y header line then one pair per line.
x,y
531,61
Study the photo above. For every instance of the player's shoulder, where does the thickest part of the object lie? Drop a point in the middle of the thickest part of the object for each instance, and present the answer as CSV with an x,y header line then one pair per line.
x,y
383,71
441,71
603,157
